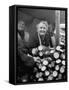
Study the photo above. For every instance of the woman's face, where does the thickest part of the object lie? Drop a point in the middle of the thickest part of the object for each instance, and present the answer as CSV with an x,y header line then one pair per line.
x,y
21,25
42,28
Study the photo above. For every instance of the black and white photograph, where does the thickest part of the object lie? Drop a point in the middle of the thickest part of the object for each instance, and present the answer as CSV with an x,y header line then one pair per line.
x,y
41,45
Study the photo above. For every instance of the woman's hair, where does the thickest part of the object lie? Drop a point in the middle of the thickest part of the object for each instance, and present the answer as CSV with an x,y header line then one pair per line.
x,y
42,22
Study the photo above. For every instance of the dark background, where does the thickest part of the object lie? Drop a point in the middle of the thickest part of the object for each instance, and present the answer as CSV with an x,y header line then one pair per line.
x,y
29,14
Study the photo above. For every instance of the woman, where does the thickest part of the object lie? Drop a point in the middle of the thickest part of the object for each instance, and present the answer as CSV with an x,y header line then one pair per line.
x,y
45,34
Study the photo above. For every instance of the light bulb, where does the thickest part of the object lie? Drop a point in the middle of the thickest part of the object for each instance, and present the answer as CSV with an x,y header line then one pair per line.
x,y
62,70
56,55
55,73
47,73
43,68
45,62
58,61
57,67
63,62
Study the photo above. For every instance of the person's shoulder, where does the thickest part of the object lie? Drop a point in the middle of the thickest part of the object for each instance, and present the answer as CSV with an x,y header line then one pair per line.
x,y
27,36
48,32
19,37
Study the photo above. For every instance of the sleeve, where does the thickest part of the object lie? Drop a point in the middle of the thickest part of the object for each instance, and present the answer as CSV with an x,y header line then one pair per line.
x,y
22,52
51,33
50,30
52,39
